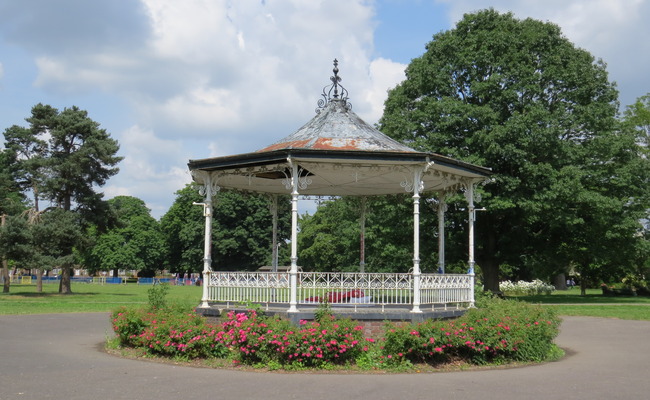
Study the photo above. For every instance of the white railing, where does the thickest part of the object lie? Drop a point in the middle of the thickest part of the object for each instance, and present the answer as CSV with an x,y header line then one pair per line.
x,y
341,289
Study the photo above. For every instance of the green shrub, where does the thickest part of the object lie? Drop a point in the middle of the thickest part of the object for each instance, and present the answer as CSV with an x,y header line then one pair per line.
x,y
128,324
157,295
514,330
169,332
499,331
313,344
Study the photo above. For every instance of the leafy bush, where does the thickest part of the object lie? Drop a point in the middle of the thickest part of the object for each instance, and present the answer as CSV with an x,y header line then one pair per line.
x,y
157,295
128,323
498,332
259,340
168,332
246,337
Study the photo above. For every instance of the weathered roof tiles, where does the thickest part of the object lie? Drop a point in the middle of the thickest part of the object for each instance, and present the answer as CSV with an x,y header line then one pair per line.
x,y
337,127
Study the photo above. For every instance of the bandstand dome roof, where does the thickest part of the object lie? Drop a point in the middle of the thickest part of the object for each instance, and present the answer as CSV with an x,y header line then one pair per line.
x,y
338,154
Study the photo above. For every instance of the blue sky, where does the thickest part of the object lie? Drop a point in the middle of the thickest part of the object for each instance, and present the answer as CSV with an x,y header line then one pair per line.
x,y
177,80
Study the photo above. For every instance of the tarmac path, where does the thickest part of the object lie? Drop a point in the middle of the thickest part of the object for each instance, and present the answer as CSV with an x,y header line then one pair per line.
x,y
59,356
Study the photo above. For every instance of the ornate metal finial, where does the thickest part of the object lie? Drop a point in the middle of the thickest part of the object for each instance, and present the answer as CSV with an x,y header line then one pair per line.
x,y
336,79
331,92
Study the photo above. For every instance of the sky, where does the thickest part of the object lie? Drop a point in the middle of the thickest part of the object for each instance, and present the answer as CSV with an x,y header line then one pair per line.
x,y
178,80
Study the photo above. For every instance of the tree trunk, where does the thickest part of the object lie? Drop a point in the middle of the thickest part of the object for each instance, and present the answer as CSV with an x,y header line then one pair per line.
x,y
559,281
583,286
64,284
5,275
490,275
39,280
5,266
488,263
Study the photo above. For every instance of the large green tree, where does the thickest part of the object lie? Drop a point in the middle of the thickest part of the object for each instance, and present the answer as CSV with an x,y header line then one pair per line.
x,y
637,118
56,234
11,203
517,96
81,155
242,231
330,239
133,242
183,228
62,157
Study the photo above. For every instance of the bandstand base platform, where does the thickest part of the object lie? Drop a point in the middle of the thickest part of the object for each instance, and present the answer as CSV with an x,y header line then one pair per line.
x,y
362,313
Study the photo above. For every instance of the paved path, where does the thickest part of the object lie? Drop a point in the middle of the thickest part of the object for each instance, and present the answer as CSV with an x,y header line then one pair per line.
x,y
57,356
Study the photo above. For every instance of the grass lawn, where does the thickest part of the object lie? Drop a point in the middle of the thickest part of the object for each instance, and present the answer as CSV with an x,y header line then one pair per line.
x,y
593,304
23,299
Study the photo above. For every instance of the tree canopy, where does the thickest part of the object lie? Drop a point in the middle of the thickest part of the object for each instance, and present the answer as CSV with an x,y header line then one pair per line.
x,y
517,96
62,157
132,242
330,239
242,230
637,117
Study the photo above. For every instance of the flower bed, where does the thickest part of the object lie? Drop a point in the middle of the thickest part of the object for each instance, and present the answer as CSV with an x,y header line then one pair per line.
x,y
500,331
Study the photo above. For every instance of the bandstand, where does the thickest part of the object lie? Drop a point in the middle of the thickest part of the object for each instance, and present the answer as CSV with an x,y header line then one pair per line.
x,y
338,154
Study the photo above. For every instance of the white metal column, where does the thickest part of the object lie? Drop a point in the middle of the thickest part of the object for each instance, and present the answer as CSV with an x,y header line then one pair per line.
x,y
362,236
274,216
293,272
442,208
274,252
209,189
417,183
469,196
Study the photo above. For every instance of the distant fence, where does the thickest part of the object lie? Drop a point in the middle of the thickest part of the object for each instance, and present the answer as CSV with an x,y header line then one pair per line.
x,y
99,280
104,280
171,281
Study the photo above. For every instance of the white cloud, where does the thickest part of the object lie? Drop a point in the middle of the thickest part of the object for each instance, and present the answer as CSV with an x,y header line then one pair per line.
x,y
203,78
204,108
195,30
211,68
219,77
384,75
2,71
152,169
